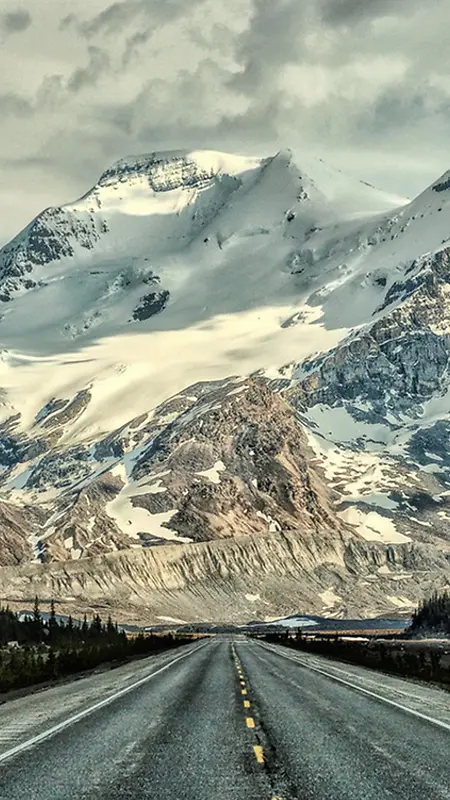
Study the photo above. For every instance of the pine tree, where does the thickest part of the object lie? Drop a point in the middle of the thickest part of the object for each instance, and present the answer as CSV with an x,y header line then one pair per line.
x,y
110,629
53,627
38,627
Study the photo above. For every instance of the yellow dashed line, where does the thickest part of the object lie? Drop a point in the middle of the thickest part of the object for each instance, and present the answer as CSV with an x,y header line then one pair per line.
x,y
249,721
259,753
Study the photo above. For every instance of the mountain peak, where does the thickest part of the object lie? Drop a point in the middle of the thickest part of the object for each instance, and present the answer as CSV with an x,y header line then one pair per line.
x,y
167,169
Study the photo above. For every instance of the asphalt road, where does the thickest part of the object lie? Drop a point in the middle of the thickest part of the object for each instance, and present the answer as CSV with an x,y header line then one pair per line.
x,y
228,719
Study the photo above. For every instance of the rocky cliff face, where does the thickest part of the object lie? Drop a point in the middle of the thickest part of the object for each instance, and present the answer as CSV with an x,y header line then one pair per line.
x,y
16,527
400,360
56,234
235,461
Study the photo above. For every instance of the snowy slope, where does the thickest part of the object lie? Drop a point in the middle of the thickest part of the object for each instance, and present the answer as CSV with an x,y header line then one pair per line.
x,y
214,243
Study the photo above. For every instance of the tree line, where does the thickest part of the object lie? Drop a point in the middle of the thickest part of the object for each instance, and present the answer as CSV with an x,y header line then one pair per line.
x,y
35,648
432,616
408,654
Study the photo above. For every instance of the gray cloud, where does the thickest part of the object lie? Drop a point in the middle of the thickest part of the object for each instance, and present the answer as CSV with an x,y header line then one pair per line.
x,y
115,17
15,21
134,43
156,13
14,105
272,39
70,20
112,18
82,77
348,12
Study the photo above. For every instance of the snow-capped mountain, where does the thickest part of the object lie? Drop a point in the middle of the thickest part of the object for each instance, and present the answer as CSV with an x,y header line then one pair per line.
x,y
211,358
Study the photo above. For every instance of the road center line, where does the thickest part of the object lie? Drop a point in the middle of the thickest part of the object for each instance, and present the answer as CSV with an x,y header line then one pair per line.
x,y
444,725
81,714
259,753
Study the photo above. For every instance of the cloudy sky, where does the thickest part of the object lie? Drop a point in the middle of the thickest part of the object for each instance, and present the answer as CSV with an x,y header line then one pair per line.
x,y
363,83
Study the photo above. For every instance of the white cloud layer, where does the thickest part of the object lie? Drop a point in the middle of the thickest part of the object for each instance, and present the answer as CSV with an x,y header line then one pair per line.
x,y
363,83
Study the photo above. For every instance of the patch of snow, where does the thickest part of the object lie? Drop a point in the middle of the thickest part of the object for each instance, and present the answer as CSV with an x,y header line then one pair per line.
x,y
119,471
421,522
134,520
329,597
158,474
431,468
20,480
273,524
400,601
341,428
90,523
213,474
372,526
365,477
379,500
155,488
238,390
291,622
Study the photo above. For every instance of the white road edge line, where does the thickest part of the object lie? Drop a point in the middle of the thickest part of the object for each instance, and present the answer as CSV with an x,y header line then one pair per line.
x,y
81,714
411,711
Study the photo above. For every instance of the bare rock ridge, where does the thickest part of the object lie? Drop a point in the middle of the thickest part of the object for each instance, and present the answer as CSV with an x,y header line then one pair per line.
x,y
226,393
252,576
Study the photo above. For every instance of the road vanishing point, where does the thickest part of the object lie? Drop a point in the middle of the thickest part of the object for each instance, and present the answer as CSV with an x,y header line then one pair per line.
x,y
228,718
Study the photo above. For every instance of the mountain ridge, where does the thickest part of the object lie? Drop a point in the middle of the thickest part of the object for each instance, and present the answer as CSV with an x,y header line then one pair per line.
x,y
148,315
